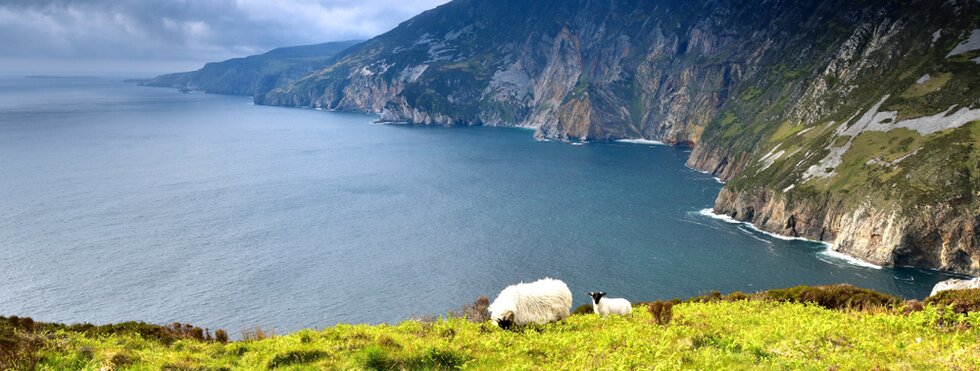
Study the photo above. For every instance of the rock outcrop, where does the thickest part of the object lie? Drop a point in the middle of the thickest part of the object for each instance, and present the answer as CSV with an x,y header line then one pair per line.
x,y
956,284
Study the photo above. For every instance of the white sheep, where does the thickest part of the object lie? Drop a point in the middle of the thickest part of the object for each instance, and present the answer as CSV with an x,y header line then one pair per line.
x,y
607,306
542,301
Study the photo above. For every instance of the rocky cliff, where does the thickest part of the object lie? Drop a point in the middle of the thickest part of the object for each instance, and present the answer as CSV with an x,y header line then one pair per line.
x,y
875,150
843,121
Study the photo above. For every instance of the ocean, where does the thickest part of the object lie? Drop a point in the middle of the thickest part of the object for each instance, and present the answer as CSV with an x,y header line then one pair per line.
x,y
120,202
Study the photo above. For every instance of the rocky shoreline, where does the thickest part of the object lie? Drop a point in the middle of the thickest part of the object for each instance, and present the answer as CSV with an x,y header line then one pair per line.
x,y
879,237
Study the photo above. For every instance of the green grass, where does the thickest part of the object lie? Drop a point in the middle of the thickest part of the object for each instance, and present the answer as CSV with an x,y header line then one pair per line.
x,y
766,331
931,85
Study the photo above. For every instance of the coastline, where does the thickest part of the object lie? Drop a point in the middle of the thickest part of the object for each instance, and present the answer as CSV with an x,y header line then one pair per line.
x,y
827,252
641,141
717,179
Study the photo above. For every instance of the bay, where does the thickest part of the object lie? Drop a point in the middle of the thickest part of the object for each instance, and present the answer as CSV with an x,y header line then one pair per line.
x,y
120,202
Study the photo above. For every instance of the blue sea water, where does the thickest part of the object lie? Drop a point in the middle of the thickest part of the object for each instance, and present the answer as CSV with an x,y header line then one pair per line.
x,y
120,202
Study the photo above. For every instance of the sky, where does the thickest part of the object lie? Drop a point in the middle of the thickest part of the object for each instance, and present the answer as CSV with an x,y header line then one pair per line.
x,y
147,37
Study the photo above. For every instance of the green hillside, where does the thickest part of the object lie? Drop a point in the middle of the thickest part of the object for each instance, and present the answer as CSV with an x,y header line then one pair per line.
x,y
255,74
765,331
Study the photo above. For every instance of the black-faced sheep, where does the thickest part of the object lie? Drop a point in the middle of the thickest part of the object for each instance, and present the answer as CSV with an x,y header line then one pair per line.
x,y
542,301
607,306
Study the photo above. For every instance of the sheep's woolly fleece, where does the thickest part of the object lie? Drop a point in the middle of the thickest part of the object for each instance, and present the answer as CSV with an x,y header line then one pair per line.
x,y
542,301
608,306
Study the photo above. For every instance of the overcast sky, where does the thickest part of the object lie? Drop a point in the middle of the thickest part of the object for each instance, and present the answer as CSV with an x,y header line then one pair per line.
x,y
155,36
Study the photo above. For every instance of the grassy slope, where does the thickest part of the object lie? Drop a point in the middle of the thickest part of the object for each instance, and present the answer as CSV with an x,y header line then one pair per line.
x,y
712,335
754,123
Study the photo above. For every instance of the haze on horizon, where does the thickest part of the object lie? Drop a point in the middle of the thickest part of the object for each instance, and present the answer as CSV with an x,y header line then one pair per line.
x,y
142,38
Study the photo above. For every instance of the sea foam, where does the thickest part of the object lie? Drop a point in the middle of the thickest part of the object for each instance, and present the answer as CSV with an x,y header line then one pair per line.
x,y
641,141
717,179
828,252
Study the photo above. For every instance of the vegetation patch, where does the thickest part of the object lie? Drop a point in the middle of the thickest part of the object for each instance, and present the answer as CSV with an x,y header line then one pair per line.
x,y
835,297
960,301
776,329
933,84
294,357
784,131
584,309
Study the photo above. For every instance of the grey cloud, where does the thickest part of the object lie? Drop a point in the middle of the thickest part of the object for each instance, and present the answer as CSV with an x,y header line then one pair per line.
x,y
187,29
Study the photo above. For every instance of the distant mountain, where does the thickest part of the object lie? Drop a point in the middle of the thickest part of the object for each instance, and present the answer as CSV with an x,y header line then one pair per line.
x,y
256,74
852,122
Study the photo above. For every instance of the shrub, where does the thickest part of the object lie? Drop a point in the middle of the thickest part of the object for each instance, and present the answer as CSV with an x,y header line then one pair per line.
x,y
737,296
912,306
661,311
221,336
478,311
122,358
960,301
166,334
834,297
179,330
583,309
376,358
18,348
715,296
295,357
197,333
256,333
24,323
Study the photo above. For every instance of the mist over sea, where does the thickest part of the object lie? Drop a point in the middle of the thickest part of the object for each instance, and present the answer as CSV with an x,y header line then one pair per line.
x,y
120,202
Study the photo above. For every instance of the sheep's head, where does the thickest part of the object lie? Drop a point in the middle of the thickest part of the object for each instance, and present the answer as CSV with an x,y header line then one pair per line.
x,y
596,296
505,320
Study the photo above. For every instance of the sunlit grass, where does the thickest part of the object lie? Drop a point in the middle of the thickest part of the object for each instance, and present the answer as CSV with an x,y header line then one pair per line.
x,y
721,334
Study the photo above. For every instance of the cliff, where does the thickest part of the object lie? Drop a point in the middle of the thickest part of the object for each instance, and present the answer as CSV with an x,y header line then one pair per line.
x,y
875,151
255,74
849,122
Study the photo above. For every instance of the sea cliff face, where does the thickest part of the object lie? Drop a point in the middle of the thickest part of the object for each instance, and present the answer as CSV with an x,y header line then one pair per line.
x,y
876,152
855,123
599,71
939,236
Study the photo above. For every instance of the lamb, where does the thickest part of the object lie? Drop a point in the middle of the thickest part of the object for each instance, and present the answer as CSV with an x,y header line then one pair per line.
x,y
542,301
607,306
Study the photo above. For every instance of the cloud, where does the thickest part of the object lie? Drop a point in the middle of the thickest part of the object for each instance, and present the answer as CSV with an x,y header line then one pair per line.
x,y
187,30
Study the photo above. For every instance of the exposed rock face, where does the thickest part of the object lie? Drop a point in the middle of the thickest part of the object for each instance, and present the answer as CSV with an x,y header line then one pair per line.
x,y
815,113
600,71
941,238
955,284
866,156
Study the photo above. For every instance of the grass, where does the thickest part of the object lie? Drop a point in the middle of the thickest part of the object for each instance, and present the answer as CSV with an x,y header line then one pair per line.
x,y
932,85
855,171
775,329
784,131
